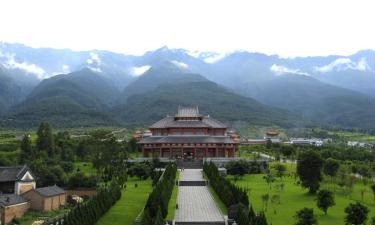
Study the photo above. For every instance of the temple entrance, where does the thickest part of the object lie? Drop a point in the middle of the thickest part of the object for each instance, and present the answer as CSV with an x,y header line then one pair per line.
x,y
188,154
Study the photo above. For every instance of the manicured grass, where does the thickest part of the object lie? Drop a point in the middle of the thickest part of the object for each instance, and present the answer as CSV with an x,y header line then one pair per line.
x,y
132,201
85,167
294,198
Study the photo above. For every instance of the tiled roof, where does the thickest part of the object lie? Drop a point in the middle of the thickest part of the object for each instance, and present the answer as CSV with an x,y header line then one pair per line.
x,y
13,173
170,122
11,199
188,112
187,139
50,191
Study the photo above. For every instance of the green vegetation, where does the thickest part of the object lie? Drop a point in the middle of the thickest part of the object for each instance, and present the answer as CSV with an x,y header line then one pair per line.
x,y
132,201
223,208
156,208
293,198
173,200
32,216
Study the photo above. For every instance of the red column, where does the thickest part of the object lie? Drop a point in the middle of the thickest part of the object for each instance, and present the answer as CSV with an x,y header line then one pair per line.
x,y
182,152
206,152
195,153
160,152
170,152
216,152
143,151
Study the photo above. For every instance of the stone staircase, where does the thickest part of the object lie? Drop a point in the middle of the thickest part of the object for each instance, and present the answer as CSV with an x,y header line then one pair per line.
x,y
192,183
200,223
190,164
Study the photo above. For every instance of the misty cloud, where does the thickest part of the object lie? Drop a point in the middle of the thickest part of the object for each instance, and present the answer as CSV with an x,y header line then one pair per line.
x,y
94,62
281,70
342,64
137,71
180,64
11,63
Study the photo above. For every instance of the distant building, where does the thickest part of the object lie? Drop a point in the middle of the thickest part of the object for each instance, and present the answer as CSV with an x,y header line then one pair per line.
x,y
360,144
46,198
273,136
306,141
16,180
12,206
188,135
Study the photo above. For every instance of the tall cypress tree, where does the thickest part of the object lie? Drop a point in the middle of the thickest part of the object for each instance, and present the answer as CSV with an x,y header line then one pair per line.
x,y
45,142
27,153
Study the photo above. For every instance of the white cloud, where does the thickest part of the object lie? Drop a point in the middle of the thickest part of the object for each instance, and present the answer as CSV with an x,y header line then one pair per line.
x,y
215,57
342,64
94,62
11,63
281,70
137,71
180,64
65,70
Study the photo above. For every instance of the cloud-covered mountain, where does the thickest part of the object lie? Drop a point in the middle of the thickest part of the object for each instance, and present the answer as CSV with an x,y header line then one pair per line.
x,y
336,90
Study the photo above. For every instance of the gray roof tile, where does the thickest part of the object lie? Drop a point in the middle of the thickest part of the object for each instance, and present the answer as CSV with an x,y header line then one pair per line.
x,y
12,173
187,139
50,191
11,199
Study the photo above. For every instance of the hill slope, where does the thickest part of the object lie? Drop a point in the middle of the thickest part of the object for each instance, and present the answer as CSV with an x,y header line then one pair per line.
x,y
66,100
318,101
210,97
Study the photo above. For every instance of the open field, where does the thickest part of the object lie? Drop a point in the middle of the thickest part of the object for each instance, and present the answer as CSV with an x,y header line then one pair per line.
x,y
132,201
85,167
294,198
353,136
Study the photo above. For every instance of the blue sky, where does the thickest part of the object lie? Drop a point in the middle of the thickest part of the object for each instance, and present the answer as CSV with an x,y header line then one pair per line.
x,y
287,27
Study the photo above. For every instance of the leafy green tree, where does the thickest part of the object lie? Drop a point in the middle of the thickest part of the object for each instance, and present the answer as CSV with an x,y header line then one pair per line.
x,y
261,219
309,170
356,214
306,216
27,152
45,141
280,169
325,199
238,168
373,190
242,217
331,167
133,145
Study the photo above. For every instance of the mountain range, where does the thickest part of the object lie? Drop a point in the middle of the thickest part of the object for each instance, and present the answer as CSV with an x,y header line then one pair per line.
x,y
96,88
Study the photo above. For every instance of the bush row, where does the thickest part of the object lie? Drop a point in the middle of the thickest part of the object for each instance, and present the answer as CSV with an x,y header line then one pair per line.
x,y
89,212
229,193
156,208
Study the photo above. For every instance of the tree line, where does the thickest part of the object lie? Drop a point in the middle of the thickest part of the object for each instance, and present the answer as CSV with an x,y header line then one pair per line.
x,y
156,208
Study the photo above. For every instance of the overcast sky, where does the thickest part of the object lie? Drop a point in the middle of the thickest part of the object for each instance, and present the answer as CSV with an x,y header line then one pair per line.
x,y
285,27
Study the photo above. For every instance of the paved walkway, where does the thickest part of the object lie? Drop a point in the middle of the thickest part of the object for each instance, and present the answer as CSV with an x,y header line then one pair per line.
x,y
191,175
195,203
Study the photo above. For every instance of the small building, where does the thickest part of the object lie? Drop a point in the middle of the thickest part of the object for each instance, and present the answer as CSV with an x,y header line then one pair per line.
x,y
46,198
16,180
12,206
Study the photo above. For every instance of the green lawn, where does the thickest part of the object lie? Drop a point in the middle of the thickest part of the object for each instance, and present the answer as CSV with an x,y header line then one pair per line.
x,y
173,200
85,167
130,205
294,198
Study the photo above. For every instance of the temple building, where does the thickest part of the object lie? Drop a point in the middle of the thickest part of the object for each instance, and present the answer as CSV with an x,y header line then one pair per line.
x,y
188,135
